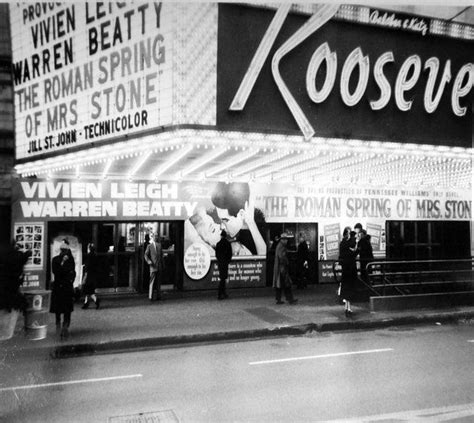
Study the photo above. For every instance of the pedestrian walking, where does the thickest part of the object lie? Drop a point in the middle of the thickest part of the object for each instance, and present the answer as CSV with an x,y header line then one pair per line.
x,y
12,261
91,276
62,296
223,256
347,258
302,257
281,276
364,247
154,258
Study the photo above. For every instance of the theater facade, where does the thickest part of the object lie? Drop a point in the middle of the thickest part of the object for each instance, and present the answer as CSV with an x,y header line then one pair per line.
x,y
183,119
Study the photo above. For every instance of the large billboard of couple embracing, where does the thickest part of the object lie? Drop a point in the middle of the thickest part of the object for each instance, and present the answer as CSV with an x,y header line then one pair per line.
x,y
229,207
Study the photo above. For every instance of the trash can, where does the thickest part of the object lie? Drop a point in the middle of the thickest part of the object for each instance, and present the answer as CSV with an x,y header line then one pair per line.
x,y
8,321
36,314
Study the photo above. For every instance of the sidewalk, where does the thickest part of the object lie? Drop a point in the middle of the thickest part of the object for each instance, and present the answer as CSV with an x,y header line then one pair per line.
x,y
132,323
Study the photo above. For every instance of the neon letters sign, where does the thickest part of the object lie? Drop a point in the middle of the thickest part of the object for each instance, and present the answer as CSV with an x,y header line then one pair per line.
x,y
406,79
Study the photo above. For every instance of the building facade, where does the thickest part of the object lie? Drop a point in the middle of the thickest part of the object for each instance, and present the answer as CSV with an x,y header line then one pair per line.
x,y
183,119
7,154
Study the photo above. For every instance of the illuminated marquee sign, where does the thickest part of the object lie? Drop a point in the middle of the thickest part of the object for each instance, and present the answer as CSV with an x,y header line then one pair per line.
x,y
85,72
356,59
322,68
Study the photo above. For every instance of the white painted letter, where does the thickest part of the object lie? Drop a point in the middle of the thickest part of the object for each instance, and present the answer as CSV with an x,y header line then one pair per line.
x,y
355,58
382,82
403,84
238,103
29,190
322,53
461,91
431,104
324,14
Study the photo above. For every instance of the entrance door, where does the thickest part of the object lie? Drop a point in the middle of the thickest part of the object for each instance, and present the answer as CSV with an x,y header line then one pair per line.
x,y
427,240
171,238
116,249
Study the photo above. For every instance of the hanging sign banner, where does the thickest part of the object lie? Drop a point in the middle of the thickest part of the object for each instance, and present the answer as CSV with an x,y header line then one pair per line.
x,y
203,202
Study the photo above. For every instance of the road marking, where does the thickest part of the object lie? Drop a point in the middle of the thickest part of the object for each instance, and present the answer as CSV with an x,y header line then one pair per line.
x,y
439,414
70,382
312,357
470,340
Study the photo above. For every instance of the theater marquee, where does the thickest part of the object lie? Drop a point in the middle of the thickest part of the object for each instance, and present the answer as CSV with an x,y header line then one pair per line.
x,y
319,75
85,72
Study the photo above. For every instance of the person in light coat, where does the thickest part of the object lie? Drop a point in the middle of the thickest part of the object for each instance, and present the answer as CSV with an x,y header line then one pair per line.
x,y
154,258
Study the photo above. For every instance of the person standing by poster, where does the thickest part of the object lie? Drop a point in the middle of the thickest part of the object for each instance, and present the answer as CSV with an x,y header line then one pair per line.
x,y
281,277
154,258
62,296
223,256
91,276
302,257
146,268
347,258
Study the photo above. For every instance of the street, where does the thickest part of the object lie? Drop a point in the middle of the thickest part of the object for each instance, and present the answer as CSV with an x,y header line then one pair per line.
x,y
396,374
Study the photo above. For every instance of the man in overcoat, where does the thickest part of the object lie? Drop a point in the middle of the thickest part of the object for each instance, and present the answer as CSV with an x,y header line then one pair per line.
x,y
154,258
302,258
281,277
223,256
365,250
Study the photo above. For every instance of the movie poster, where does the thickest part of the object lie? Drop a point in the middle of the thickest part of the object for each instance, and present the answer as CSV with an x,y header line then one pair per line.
x,y
30,237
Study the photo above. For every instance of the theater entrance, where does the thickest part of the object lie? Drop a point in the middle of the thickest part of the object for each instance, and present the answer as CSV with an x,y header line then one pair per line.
x,y
428,240
120,250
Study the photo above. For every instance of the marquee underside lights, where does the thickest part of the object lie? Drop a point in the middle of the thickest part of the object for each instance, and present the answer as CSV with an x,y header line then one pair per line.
x,y
190,155
388,19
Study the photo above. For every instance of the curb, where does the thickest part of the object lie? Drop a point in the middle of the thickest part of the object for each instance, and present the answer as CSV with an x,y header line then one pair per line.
x,y
140,344
131,345
451,317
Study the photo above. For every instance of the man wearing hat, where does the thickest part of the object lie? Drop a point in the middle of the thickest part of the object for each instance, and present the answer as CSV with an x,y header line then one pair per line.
x,y
281,277
62,296
223,256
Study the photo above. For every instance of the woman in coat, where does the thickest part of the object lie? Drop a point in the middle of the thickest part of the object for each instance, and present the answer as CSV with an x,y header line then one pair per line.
x,y
347,258
281,277
91,276
62,296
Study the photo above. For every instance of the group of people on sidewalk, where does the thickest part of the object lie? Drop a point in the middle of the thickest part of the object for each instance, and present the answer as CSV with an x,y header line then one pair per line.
x,y
355,243
281,275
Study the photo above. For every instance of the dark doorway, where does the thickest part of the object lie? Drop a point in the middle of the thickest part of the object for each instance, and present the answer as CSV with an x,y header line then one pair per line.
x,y
428,240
